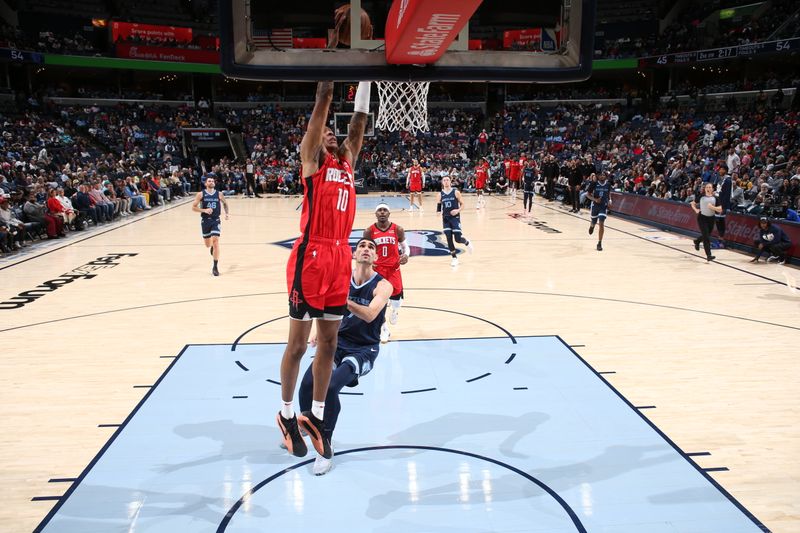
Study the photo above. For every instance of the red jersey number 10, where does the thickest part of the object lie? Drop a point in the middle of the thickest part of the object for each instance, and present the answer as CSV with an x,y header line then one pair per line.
x,y
341,202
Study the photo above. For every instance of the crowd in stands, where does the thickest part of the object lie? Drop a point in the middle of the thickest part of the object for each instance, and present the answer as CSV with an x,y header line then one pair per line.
x,y
52,42
665,153
64,167
102,93
691,31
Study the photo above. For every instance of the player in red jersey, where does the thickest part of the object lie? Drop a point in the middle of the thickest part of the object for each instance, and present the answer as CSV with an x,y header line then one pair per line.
x,y
392,252
319,268
514,174
415,181
481,177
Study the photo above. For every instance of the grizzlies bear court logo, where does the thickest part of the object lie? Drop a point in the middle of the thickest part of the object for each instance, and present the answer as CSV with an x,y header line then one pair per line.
x,y
420,242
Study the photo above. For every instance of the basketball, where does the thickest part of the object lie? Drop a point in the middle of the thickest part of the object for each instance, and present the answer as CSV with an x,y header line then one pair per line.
x,y
343,21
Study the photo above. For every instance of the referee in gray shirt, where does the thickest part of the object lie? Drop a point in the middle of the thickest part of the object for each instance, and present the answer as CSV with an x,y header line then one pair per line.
x,y
705,218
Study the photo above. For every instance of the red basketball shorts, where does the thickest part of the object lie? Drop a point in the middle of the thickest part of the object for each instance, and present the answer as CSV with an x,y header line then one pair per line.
x,y
394,277
318,278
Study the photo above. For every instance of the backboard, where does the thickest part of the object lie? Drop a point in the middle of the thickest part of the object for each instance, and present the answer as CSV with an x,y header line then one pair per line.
x,y
341,124
503,41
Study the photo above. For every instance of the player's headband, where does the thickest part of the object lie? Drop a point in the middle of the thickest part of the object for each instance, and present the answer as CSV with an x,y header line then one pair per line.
x,y
382,205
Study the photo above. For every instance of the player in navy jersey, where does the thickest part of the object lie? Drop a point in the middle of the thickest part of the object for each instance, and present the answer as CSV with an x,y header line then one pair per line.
x,y
209,203
528,179
451,205
599,192
358,343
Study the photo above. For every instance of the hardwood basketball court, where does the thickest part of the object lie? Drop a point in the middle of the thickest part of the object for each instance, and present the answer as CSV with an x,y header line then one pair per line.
x,y
707,350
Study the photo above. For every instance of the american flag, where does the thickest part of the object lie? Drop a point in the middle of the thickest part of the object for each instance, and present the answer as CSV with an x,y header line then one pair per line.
x,y
267,39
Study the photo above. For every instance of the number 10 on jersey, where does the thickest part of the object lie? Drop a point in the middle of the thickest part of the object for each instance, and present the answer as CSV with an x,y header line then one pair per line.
x,y
342,201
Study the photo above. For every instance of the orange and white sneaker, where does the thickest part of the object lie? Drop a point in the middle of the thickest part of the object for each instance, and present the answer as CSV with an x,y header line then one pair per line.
x,y
315,429
292,440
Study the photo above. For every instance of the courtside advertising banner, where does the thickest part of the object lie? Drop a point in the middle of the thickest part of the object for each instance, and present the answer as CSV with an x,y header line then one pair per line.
x,y
740,229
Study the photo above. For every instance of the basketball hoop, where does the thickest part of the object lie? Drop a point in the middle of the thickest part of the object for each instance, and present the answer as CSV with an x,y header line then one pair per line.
x,y
403,106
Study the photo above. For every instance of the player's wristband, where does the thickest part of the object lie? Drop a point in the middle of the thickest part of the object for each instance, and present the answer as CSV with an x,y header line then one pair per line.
x,y
361,100
403,246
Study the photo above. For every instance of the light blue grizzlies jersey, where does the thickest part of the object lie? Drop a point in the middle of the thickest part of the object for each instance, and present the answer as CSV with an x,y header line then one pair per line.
x,y
211,200
353,330
449,202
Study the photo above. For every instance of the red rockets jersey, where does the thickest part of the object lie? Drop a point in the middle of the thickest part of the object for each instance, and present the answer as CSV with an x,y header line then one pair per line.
x,y
415,176
388,252
329,201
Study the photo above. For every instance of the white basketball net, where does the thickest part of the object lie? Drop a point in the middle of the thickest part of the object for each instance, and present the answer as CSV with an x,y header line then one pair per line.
x,y
403,106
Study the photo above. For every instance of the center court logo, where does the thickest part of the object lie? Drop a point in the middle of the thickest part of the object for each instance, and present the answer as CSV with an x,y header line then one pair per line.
x,y
420,241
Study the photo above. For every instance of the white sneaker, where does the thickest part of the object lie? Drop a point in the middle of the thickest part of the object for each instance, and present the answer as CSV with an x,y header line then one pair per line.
x,y
393,316
385,334
772,258
454,262
470,248
322,466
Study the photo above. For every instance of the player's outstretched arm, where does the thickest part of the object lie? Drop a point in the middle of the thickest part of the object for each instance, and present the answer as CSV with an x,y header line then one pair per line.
x,y
380,297
311,144
358,124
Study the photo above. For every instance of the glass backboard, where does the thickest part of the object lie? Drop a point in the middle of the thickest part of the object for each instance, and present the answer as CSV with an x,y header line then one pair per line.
x,y
503,41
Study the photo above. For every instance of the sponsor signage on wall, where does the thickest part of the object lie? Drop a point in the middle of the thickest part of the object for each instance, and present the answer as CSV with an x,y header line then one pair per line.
x,y
530,39
127,30
159,53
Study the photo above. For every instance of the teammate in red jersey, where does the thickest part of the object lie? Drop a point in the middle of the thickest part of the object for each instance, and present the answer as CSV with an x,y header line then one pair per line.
x,y
415,181
392,252
481,177
507,168
319,268
514,174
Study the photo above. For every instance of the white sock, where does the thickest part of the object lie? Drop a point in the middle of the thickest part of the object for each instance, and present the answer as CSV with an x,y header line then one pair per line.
x,y
287,411
318,409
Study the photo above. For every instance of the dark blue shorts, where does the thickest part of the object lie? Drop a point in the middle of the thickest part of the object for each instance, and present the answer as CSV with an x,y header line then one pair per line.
x,y
210,227
451,224
361,358
599,211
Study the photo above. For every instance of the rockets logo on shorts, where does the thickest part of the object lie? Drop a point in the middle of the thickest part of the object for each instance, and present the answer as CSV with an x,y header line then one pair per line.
x,y
295,299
